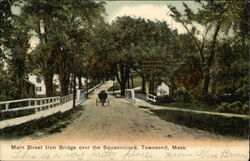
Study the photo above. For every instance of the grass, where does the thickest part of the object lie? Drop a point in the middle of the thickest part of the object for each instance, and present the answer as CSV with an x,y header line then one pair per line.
x,y
137,83
43,126
228,126
192,106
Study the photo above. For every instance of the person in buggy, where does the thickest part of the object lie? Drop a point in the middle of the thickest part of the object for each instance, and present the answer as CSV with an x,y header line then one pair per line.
x,y
102,97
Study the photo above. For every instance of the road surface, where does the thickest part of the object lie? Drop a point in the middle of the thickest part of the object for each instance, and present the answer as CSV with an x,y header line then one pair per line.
x,y
124,123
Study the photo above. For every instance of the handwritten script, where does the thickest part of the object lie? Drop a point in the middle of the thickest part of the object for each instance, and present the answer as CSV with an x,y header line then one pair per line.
x,y
128,154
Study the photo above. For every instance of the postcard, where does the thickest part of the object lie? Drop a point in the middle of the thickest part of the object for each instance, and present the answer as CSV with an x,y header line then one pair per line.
x,y
124,80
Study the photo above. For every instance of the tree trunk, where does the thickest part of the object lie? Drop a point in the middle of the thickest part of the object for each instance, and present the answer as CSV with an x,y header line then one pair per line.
x,y
121,78
210,60
74,91
206,83
132,80
64,75
123,87
128,84
48,80
87,87
23,91
79,82
127,76
64,82
151,82
143,84
123,82
213,88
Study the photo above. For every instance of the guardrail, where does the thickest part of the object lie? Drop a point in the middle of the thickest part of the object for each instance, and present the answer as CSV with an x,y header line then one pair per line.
x,y
82,94
16,112
141,96
151,97
130,95
33,103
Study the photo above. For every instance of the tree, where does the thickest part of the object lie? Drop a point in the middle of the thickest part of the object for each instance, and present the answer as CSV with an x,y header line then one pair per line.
x,y
218,18
5,32
230,74
136,40
13,48
57,24
5,23
18,57
39,17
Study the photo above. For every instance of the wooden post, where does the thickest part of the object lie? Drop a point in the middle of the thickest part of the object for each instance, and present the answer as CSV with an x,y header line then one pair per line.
x,y
7,106
29,103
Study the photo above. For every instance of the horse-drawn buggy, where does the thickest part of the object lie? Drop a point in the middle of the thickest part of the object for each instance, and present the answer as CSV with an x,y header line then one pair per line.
x,y
102,98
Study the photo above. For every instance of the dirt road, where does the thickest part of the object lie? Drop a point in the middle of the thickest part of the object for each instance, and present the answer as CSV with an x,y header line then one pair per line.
x,y
123,122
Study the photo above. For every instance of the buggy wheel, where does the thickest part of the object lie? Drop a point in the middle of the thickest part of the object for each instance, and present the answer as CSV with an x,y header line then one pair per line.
x,y
96,102
108,102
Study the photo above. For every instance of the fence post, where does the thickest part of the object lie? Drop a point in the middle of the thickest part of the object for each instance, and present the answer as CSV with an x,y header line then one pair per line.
x,y
132,94
29,102
7,106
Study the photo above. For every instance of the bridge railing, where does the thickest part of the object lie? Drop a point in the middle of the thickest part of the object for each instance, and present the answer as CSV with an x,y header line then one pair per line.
x,y
130,95
16,112
151,97
28,106
146,97
141,96
27,103
36,103
82,94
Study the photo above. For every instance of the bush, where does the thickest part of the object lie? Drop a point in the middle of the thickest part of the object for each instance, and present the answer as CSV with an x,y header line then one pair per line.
x,y
223,108
163,99
210,99
182,96
235,107
245,108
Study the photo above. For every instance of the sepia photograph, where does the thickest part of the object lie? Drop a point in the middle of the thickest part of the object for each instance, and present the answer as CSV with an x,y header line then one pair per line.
x,y
117,80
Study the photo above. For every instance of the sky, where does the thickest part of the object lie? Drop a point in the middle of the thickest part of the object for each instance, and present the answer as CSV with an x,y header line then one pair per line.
x,y
153,10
